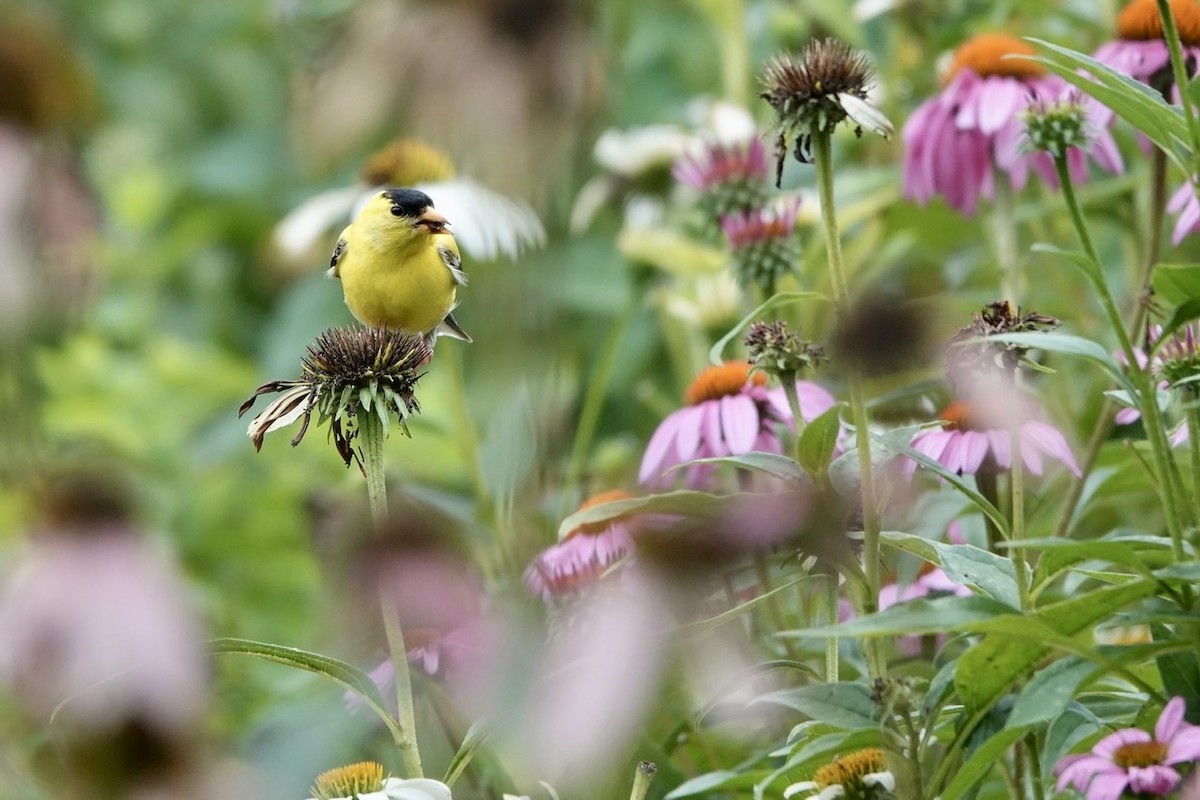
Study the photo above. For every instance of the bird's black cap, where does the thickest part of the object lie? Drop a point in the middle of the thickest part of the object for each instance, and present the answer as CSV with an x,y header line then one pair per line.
x,y
408,202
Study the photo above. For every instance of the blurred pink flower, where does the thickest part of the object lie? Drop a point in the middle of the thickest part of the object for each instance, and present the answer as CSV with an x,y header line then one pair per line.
x,y
967,441
760,227
955,140
583,555
1131,759
1140,50
101,620
1141,53
718,165
729,412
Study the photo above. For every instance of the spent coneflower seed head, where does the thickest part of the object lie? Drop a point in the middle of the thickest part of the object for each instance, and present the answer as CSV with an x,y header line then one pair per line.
x,y
967,356
346,373
351,780
814,92
779,351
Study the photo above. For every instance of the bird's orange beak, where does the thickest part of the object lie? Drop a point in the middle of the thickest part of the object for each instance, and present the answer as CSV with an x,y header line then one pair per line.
x,y
432,220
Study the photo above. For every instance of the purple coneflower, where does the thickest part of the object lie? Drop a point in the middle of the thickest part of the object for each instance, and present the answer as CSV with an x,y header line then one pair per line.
x,y
731,177
967,443
729,412
583,555
956,140
1141,52
1131,759
761,240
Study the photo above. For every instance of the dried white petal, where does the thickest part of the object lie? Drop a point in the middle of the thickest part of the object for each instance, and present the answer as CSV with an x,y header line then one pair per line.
x,y
866,115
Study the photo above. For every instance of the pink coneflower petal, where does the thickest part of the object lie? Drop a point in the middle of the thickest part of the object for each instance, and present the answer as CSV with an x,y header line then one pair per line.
x,y
661,443
1050,440
974,450
687,432
740,423
1157,780
1001,448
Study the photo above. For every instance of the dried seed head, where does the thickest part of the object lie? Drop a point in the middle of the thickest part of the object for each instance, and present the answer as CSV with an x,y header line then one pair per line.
x,y
778,351
967,357
815,92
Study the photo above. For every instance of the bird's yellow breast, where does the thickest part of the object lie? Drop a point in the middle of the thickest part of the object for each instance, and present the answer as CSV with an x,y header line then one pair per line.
x,y
405,286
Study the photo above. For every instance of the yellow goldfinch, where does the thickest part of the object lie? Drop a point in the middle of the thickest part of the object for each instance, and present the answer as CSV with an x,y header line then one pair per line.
x,y
400,267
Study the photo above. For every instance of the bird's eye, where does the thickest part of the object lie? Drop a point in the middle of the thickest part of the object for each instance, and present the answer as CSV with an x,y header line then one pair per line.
x,y
397,211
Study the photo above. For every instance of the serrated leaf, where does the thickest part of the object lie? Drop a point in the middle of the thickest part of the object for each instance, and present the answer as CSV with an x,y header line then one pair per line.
x,y
818,441
842,705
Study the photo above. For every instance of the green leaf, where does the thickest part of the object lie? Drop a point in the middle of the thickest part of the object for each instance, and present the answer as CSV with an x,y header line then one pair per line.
x,y
818,441
353,679
703,784
963,563
770,463
842,705
1049,691
987,670
716,353
954,480
1180,673
684,503
1089,268
1067,345
977,766
923,615
477,734
1176,283
1136,103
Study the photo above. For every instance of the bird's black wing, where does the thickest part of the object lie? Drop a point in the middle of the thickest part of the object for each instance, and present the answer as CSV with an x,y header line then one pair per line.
x,y
454,264
339,251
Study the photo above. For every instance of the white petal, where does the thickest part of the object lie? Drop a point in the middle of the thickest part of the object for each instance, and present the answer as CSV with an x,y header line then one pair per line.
x,y
485,223
416,789
866,115
884,779
296,233
797,788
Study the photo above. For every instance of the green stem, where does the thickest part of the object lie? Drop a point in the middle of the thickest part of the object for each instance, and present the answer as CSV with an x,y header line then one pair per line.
x,y
1016,479
823,161
1168,481
1171,35
1035,766
1137,318
1004,235
788,381
593,400
371,434
641,780
763,571
1193,429
831,619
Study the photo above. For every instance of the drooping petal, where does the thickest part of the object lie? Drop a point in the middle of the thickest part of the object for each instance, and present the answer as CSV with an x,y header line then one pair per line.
x,y
739,423
1155,779
661,444
687,434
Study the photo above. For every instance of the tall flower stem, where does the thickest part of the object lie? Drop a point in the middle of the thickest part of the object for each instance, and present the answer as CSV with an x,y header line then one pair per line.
x,y
1004,235
372,434
1193,429
823,161
1137,318
788,381
641,779
831,619
1170,485
1016,479
1175,46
